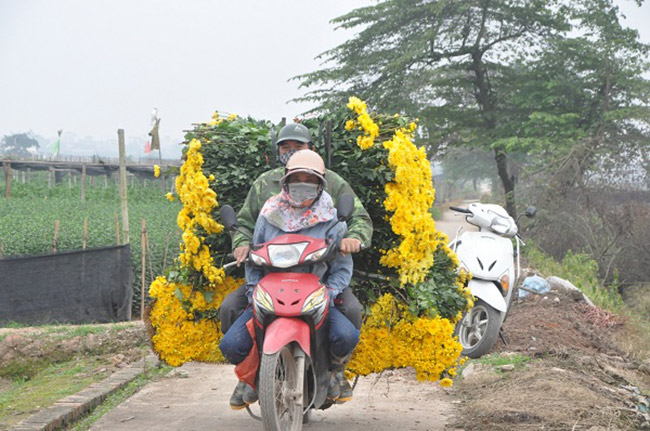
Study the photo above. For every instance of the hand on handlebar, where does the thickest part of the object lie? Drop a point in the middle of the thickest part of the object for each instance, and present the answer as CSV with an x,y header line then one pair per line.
x,y
350,245
241,253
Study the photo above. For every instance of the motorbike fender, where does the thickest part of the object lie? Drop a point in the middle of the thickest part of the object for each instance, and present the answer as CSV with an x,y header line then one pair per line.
x,y
488,292
285,330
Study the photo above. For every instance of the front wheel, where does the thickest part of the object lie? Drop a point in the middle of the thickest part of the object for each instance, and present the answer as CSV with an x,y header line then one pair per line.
x,y
278,392
478,329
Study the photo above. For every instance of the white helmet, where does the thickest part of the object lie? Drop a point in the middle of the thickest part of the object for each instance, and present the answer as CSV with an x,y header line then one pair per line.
x,y
305,161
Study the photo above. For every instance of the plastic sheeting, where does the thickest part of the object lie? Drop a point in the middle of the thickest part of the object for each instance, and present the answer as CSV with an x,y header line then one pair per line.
x,y
82,286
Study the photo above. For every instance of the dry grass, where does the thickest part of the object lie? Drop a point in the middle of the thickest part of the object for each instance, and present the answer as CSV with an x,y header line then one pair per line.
x,y
546,394
635,336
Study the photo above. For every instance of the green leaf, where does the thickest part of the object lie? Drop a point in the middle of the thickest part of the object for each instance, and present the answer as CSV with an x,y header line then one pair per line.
x,y
179,294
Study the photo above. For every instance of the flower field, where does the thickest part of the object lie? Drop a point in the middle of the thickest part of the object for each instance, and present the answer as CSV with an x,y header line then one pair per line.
x,y
27,222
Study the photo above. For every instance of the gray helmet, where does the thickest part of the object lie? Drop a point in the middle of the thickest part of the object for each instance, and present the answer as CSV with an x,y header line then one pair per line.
x,y
294,132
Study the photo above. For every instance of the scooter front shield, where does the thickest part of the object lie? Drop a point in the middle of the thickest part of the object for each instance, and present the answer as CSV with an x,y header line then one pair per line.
x,y
283,331
488,292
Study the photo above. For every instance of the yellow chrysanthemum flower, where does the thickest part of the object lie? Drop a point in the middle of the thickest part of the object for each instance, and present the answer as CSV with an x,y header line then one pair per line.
x,y
446,382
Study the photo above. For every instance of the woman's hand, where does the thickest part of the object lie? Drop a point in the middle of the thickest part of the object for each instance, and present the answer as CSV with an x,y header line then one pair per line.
x,y
350,245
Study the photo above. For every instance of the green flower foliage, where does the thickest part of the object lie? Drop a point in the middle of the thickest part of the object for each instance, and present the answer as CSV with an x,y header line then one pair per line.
x,y
237,152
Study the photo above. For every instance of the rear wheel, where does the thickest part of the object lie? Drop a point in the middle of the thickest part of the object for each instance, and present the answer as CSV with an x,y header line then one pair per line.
x,y
478,330
278,392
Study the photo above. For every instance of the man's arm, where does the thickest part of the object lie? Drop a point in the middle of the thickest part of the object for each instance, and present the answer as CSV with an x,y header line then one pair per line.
x,y
340,270
247,217
254,274
360,224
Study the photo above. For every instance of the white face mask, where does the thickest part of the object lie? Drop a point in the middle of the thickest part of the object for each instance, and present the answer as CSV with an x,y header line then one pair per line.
x,y
301,192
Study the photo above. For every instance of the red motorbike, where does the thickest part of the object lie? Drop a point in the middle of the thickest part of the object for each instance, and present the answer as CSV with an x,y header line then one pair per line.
x,y
290,307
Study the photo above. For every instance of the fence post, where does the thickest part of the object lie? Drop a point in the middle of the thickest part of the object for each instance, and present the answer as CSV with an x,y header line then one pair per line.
x,y
83,245
7,169
83,182
122,188
117,230
146,241
165,254
56,236
143,246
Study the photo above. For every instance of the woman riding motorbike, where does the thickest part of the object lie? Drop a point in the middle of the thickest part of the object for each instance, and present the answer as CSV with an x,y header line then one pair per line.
x,y
302,207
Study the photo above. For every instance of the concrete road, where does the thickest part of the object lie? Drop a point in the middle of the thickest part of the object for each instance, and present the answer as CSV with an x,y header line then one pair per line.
x,y
195,397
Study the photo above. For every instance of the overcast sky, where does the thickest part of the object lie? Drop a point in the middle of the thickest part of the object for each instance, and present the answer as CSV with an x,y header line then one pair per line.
x,y
90,66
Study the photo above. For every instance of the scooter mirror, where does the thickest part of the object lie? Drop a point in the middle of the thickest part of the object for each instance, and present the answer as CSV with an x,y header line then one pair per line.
x,y
530,212
228,217
345,207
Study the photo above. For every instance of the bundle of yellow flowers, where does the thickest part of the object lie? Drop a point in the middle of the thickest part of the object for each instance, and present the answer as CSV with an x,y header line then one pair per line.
x,y
423,342
392,337
181,333
183,314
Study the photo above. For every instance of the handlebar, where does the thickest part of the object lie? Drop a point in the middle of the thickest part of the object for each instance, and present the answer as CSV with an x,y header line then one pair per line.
x,y
460,210
335,249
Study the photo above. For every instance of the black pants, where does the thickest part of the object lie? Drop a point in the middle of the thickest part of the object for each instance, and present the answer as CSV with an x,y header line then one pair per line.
x,y
236,302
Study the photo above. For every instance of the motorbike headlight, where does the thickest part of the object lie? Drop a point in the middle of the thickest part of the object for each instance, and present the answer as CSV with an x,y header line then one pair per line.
x,y
284,256
258,260
316,255
262,300
315,304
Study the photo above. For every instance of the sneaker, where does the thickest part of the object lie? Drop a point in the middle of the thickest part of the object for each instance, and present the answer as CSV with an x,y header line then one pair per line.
x,y
345,390
333,389
237,397
250,395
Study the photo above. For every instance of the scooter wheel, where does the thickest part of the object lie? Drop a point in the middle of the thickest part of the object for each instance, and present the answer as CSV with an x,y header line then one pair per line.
x,y
478,330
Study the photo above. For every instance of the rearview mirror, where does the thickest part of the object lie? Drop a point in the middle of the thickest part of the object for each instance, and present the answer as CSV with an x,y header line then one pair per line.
x,y
530,212
345,207
228,217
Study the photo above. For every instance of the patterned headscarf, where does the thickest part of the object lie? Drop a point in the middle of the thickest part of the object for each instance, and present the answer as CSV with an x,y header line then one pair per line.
x,y
279,211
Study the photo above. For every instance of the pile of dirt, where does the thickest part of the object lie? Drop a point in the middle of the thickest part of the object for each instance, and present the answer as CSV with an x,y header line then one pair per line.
x,y
563,370
25,348
559,323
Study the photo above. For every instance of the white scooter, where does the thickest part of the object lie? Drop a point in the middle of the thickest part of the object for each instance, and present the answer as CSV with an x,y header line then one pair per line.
x,y
489,255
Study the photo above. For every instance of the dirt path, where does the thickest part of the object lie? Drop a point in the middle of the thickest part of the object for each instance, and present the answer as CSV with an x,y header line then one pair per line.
x,y
451,221
196,397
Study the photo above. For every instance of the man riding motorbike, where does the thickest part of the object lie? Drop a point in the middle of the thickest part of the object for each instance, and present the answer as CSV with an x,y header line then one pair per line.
x,y
302,207
293,137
